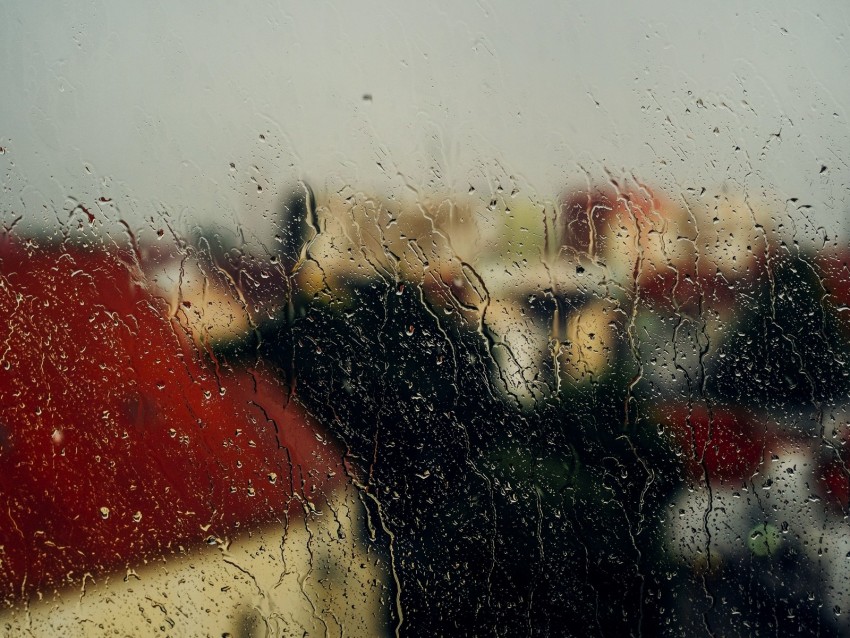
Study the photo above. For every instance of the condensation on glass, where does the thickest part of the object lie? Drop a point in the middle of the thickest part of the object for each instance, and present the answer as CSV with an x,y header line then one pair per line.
x,y
487,320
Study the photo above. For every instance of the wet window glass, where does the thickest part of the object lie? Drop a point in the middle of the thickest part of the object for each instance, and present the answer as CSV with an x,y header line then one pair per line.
x,y
487,319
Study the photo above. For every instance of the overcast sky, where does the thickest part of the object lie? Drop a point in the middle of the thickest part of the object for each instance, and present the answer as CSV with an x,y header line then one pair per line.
x,y
149,103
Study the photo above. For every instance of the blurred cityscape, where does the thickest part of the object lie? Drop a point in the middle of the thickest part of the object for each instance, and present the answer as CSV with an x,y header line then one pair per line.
x,y
620,411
